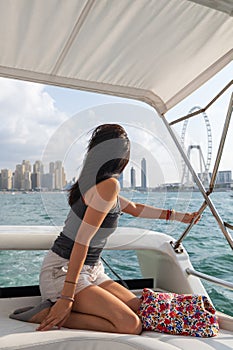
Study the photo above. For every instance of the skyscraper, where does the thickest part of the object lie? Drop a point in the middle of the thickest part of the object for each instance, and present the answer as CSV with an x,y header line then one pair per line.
x,y
121,180
143,174
38,167
17,177
38,171
6,179
132,177
22,176
51,168
60,178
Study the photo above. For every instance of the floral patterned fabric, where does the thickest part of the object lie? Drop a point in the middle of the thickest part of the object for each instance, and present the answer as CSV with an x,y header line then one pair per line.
x,y
180,314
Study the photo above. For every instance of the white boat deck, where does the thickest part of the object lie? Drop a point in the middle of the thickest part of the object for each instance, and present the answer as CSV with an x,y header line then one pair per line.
x,y
157,260
21,335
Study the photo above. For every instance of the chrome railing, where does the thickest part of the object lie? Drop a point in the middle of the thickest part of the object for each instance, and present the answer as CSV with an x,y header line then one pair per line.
x,y
209,278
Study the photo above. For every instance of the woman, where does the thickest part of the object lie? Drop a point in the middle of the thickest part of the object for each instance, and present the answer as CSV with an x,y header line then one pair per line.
x,y
76,293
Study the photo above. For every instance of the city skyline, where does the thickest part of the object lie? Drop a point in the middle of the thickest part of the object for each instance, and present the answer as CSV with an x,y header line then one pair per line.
x,y
32,114
27,176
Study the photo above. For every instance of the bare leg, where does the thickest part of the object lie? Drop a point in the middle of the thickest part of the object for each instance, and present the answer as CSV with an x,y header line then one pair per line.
x,y
89,322
97,309
109,307
122,293
111,313
79,321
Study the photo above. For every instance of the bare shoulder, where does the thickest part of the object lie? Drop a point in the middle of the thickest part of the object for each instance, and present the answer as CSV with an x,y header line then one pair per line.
x,y
109,188
106,190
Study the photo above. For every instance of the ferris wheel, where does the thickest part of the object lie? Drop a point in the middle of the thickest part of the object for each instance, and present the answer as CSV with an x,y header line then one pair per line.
x,y
204,161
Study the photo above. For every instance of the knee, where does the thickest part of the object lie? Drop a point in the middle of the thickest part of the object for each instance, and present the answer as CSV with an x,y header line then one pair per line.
x,y
131,325
137,327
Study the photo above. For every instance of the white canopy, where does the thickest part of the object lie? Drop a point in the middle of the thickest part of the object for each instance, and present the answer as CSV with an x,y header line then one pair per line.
x,y
157,51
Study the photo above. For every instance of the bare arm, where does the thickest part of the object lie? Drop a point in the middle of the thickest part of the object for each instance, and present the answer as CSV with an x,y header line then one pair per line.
x,y
150,212
99,201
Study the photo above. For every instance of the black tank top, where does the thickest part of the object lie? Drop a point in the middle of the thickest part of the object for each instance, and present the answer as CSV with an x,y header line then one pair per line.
x,y
64,243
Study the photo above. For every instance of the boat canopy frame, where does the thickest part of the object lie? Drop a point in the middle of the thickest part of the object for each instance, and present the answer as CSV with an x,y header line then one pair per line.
x,y
224,226
114,47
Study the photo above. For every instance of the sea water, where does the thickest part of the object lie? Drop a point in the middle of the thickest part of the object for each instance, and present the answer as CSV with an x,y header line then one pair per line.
x,y
207,247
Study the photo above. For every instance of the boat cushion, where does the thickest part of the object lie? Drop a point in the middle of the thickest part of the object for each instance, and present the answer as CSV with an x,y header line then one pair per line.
x,y
21,335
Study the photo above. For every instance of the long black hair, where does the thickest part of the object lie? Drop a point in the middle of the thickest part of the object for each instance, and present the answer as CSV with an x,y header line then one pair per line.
x,y
107,155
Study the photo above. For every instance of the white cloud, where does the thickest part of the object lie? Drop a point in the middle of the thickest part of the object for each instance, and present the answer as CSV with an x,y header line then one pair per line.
x,y
32,127
28,118
146,132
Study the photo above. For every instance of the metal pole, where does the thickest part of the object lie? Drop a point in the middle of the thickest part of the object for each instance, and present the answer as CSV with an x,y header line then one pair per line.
x,y
222,142
213,177
176,245
199,184
202,110
209,278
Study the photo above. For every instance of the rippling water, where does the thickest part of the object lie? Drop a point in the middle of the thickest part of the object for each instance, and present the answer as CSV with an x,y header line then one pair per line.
x,y
208,249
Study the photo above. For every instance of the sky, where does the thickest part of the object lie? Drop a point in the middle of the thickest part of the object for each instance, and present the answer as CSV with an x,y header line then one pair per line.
x,y
40,122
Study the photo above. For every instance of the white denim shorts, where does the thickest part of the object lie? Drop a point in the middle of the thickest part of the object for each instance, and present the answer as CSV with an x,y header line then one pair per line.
x,y
53,274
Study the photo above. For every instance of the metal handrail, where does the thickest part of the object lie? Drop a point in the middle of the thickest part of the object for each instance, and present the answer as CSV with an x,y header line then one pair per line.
x,y
209,278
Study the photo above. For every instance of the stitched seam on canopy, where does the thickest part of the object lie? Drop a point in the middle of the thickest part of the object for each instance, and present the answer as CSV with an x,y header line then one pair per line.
x,y
73,35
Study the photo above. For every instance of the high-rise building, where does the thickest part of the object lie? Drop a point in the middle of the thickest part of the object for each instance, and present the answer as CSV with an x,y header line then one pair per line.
x,y
6,179
26,183
38,167
143,174
47,181
60,178
17,178
26,166
36,181
224,177
36,177
22,176
132,177
51,168
121,180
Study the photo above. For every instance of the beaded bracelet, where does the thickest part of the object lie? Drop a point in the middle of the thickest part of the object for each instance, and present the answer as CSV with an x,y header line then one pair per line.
x,y
67,298
169,214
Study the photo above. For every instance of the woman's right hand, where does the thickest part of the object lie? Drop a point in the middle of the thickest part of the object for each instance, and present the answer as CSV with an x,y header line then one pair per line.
x,y
187,218
57,316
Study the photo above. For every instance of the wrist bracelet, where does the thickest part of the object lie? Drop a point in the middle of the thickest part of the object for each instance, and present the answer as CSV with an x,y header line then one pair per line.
x,y
169,214
67,298
172,213
70,282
